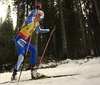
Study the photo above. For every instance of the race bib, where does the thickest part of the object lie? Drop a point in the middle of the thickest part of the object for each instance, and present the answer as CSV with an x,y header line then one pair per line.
x,y
21,42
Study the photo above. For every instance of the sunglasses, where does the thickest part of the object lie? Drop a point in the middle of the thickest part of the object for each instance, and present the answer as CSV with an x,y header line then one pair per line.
x,y
41,17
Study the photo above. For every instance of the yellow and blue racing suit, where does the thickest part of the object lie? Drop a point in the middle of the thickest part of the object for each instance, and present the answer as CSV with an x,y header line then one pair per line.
x,y
23,35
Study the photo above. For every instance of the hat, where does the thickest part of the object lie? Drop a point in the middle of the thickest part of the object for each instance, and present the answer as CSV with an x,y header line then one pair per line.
x,y
41,13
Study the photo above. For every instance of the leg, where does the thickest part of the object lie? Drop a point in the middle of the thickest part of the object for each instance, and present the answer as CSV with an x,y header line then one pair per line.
x,y
20,60
34,73
20,57
33,54
20,42
21,52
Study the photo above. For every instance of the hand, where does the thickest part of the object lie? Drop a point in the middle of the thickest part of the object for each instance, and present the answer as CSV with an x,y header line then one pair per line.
x,y
38,6
52,28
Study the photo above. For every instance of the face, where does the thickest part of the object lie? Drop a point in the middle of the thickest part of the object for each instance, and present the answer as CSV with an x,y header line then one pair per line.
x,y
37,18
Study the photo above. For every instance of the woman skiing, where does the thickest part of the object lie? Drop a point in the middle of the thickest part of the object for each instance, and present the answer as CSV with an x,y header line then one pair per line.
x,y
30,24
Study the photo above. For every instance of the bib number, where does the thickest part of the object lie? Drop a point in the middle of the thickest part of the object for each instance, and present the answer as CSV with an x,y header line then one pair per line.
x,y
21,42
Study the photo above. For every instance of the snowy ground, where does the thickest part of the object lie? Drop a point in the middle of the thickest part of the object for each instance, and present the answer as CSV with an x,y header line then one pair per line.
x,y
88,73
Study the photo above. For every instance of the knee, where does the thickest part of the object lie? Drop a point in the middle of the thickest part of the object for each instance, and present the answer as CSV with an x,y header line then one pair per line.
x,y
21,58
34,49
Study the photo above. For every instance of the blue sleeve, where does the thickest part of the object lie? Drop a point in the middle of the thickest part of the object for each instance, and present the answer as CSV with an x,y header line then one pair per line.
x,y
42,30
29,18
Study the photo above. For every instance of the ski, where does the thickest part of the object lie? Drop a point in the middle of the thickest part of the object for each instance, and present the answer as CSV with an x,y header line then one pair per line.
x,y
43,77
8,82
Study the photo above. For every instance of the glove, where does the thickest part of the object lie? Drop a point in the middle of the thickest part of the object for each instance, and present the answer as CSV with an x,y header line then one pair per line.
x,y
38,6
52,28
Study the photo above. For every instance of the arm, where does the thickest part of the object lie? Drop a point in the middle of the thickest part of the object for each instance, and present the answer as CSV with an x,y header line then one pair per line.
x,y
29,18
42,30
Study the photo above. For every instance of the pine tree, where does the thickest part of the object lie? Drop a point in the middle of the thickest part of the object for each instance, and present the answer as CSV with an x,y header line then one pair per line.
x,y
7,45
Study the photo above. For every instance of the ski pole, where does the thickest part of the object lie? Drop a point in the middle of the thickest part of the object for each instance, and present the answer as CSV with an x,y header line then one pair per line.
x,y
30,38
24,58
29,43
47,43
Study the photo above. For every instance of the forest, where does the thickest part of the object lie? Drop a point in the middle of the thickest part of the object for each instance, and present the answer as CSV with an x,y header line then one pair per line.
x,y
77,33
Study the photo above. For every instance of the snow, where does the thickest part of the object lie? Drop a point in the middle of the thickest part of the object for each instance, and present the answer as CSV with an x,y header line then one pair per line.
x,y
87,73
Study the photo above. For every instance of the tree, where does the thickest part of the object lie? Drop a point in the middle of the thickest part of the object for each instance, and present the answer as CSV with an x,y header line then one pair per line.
x,y
64,41
7,54
97,4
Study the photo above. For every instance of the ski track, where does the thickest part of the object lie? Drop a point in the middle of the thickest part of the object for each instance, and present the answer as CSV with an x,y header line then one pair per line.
x,y
87,74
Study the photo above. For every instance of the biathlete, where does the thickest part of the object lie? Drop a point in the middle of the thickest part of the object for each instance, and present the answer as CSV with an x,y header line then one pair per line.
x,y
31,23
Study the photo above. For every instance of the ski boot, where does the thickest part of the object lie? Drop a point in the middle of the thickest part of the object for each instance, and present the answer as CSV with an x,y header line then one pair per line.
x,y
35,74
14,75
